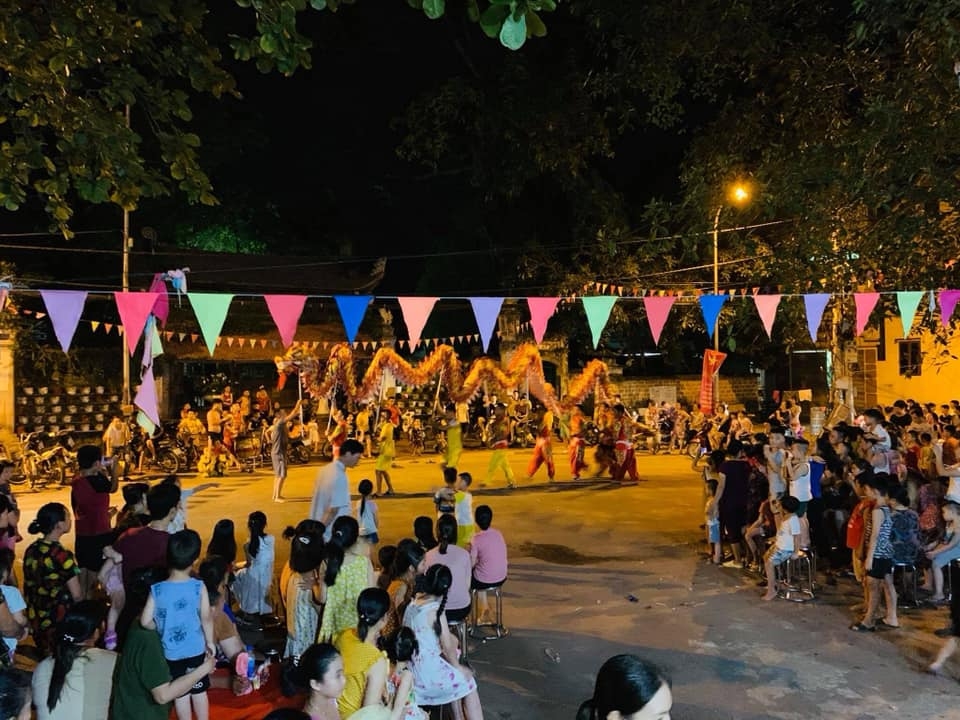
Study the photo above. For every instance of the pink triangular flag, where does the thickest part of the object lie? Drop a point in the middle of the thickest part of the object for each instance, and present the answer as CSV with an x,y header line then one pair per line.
x,y
541,310
146,398
285,311
416,311
767,308
40,315
948,301
161,308
865,303
107,327
658,310
134,308
65,308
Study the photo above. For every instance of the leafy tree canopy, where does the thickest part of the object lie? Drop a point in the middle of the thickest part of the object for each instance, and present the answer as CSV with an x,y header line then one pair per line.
x,y
70,73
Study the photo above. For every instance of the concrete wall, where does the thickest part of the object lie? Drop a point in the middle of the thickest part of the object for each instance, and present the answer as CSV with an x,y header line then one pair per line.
x,y
939,378
735,390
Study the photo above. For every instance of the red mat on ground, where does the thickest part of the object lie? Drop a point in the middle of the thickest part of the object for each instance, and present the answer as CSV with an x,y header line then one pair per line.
x,y
224,705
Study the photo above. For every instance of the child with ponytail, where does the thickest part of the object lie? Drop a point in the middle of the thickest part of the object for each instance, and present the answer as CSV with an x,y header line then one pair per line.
x,y
367,513
438,676
364,664
348,572
252,583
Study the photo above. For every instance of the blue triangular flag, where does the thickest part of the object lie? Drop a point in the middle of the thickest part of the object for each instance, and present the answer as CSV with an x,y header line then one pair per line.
x,y
711,305
352,309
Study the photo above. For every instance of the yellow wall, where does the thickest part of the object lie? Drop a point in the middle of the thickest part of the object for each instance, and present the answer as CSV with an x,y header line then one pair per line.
x,y
939,379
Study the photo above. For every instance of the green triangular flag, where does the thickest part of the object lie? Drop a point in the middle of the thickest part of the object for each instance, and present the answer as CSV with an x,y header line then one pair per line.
x,y
211,311
598,312
156,347
908,301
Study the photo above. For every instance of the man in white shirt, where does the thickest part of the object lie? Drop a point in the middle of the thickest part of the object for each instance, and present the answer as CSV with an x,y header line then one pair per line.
x,y
331,492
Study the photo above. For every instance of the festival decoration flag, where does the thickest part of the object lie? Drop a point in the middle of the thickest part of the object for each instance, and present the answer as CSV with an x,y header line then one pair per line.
x,y
815,304
285,311
161,308
94,324
598,308
767,308
107,327
65,308
712,360
146,423
541,310
352,309
211,311
416,311
710,306
948,301
134,308
146,398
156,346
658,310
865,303
907,303
486,310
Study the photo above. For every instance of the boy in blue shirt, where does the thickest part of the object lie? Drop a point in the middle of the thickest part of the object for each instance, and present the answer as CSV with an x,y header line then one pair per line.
x,y
179,609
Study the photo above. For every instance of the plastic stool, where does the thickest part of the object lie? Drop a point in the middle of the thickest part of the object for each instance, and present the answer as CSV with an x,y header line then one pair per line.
x,y
497,624
803,569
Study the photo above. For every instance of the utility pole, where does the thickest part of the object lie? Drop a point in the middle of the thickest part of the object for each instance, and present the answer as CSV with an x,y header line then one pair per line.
x,y
125,283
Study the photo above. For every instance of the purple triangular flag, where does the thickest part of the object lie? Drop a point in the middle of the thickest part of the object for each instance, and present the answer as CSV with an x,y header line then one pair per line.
x,y
64,308
948,301
486,310
815,304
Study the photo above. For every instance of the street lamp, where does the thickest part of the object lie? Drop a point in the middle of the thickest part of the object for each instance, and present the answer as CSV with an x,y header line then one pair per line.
x,y
738,194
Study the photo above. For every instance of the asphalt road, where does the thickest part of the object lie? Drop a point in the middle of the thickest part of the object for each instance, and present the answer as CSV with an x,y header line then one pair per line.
x,y
578,550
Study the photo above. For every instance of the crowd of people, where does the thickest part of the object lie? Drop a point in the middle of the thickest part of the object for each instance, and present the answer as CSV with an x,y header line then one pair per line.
x,y
868,496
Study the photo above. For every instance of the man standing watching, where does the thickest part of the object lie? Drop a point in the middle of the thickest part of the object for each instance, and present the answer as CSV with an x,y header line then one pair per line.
x,y
90,498
331,493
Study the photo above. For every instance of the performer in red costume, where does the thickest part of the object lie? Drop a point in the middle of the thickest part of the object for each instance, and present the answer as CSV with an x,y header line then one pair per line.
x,y
623,434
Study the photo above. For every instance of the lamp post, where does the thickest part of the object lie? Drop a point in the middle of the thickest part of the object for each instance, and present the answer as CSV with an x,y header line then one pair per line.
x,y
738,195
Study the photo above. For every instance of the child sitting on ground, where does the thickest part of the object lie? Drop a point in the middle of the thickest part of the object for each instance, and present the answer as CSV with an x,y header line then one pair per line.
x,y
179,609
787,545
463,510
212,461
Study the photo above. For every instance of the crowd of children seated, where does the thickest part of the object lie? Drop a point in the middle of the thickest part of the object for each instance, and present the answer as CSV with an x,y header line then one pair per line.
x,y
869,498
164,613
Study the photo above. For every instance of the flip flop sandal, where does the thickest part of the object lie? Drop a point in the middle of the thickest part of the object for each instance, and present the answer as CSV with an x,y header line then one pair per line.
x,y
860,627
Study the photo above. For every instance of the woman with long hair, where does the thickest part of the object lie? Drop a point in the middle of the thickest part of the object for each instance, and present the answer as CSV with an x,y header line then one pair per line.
x,y
461,568
223,541
408,562
252,584
77,681
364,664
51,576
439,678
628,688
301,589
320,673
348,572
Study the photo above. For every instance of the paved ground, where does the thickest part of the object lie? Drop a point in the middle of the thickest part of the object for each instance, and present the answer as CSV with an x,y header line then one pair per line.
x,y
578,550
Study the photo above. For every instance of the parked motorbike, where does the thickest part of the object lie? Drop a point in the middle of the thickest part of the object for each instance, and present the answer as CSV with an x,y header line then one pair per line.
x,y
40,465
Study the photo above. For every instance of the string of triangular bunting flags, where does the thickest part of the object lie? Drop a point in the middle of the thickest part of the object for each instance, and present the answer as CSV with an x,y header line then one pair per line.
x,y
139,309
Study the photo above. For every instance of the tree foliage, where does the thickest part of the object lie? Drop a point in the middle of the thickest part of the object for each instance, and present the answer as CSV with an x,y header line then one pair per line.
x,y
70,73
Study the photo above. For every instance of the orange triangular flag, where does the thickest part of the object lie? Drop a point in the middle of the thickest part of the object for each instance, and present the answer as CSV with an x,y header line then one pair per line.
x,y
108,327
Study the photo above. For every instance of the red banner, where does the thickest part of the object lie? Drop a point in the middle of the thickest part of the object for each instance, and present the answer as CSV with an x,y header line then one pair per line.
x,y
712,360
